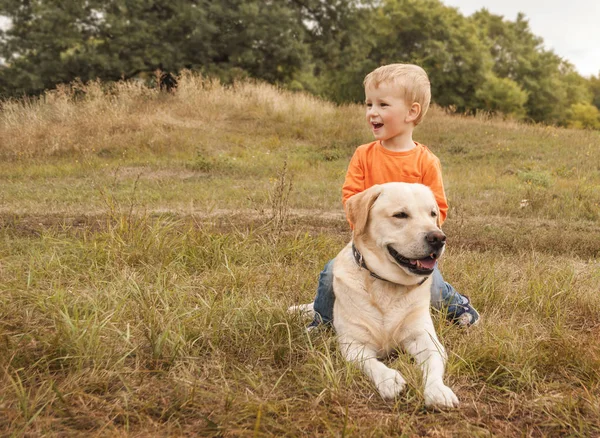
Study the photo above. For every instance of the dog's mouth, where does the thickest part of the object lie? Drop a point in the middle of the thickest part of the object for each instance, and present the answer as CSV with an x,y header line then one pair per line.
x,y
422,266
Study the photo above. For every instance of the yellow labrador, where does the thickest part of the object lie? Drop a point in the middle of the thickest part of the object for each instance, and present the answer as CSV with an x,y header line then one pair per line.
x,y
382,282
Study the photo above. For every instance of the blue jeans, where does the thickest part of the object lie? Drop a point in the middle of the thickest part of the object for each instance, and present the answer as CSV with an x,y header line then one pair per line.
x,y
442,294
325,298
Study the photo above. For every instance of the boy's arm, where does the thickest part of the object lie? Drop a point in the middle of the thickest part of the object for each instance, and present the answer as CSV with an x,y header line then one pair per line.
x,y
433,178
355,179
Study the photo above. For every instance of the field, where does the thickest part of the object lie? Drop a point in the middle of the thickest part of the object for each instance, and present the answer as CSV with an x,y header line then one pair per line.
x,y
151,243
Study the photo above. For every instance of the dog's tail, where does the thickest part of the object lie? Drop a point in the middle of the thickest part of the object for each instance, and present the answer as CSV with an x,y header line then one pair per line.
x,y
307,309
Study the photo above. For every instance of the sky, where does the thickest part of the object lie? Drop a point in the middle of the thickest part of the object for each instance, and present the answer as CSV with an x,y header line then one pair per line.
x,y
570,28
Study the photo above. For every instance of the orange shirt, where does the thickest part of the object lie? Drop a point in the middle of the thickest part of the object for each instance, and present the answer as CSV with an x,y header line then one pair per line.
x,y
373,164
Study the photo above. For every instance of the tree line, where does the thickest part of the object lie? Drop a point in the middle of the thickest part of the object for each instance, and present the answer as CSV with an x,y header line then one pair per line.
x,y
483,62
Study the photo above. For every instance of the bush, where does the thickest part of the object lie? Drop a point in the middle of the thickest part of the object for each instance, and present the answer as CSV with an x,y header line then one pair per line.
x,y
583,115
503,95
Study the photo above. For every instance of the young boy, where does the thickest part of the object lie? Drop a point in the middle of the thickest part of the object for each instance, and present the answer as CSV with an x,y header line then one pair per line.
x,y
397,98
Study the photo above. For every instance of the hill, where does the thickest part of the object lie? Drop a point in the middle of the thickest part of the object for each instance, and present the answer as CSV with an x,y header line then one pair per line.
x,y
150,244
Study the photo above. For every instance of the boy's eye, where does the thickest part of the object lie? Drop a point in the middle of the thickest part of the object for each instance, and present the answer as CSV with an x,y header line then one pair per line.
x,y
384,104
369,105
401,215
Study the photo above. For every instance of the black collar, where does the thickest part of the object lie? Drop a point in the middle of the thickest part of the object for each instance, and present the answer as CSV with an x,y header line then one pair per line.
x,y
361,262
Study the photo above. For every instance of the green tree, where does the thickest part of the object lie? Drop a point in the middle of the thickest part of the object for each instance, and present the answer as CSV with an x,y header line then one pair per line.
x,y
263,37
340,36
439,39
54,41
348,39
594,86
502,95
42,33
552,85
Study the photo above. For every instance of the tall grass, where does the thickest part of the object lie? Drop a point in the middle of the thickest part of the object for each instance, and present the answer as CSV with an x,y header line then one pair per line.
x,y
150,244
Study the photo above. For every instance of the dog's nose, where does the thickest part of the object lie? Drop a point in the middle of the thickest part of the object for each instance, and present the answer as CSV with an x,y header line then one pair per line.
x,y
436,239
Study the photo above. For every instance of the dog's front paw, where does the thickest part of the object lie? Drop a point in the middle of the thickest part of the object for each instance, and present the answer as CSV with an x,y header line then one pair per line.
x,y
390,383
440,396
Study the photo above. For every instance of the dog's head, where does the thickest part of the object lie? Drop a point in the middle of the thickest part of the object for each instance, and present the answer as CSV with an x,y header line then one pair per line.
x,y
396,229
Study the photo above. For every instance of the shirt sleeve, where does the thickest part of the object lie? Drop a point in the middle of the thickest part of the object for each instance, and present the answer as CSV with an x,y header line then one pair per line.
x,y
355,178
432,178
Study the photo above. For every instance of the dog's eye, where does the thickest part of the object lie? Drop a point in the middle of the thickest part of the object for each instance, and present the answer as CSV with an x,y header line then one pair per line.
x,y
401,215
434,214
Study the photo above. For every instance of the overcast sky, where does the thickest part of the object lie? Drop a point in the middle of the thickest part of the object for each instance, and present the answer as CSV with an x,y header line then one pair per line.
x,y
571,28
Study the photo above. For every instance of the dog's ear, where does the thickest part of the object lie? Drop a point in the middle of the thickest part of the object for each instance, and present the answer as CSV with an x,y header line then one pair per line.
x,y
358,207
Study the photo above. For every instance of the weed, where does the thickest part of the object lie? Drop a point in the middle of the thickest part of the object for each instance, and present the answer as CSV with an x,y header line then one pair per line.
x,y
279,197
539,179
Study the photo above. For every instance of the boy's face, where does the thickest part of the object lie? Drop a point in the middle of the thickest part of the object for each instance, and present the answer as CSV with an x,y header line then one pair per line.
x,y
388,113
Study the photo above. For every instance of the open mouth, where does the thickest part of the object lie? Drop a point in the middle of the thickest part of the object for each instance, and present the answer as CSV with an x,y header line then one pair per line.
x,y
422,266
376,125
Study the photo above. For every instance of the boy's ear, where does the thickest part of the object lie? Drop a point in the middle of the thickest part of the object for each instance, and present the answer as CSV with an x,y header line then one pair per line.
x,y
413,112
358,207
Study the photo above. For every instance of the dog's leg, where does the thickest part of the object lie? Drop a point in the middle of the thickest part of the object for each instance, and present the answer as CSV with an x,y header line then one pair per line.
x,y
430,355
389,382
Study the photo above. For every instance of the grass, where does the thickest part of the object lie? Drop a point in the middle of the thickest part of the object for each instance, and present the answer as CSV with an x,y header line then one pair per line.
x,y
150,244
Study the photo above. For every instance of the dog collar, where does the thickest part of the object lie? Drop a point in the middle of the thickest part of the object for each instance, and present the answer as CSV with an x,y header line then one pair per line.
x,y
361,262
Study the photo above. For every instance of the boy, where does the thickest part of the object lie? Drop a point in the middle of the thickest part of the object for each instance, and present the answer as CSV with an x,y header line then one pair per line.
x,y
397,98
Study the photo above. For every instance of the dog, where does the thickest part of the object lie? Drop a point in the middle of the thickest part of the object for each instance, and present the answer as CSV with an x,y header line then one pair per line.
x,y
382,282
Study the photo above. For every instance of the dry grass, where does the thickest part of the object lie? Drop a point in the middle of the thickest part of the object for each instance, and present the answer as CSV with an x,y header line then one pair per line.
x,y
151,243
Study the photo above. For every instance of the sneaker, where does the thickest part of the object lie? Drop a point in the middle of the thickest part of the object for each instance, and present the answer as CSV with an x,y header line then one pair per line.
x,y
462,314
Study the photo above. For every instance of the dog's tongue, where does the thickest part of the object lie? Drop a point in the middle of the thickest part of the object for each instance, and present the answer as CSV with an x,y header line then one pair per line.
x,y
427,263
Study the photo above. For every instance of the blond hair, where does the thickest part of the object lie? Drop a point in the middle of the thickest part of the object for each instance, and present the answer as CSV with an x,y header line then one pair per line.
x,y
410,78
